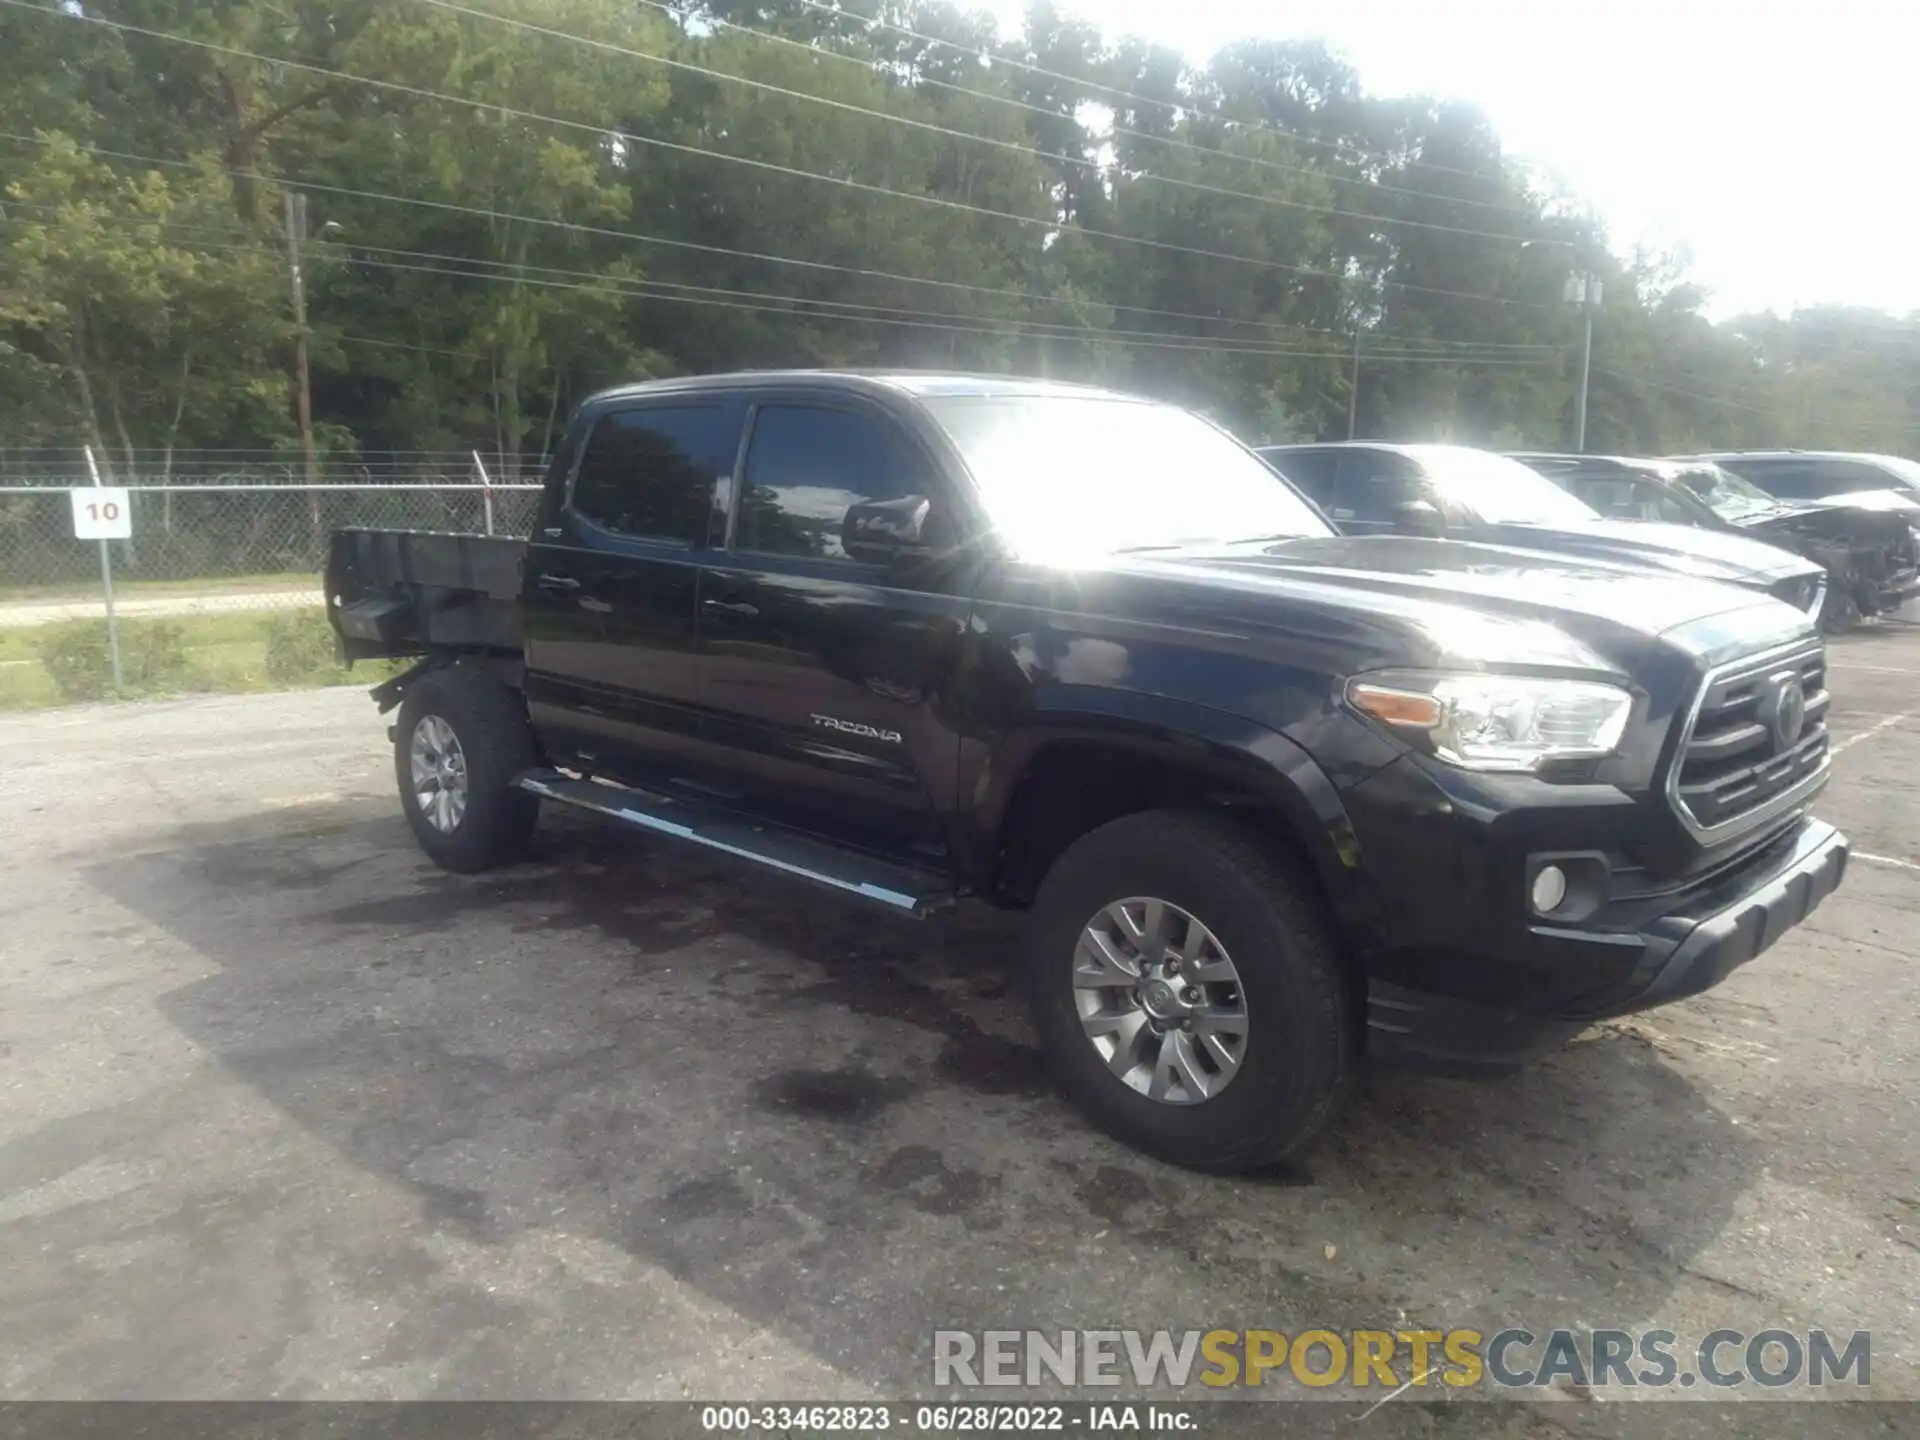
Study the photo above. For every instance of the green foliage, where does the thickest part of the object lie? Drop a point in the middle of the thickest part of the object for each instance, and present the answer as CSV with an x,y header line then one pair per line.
x,y
74,655
228,652
301,650
473,269
153,658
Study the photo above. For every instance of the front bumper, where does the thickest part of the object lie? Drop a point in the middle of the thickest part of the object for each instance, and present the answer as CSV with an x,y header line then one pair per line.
x,y
1892,594
1670,953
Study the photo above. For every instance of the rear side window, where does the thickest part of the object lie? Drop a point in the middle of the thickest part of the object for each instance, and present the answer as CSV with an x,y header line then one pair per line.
x,y
1310,470
1371,483
806,465
650,473
1842,477
1801,479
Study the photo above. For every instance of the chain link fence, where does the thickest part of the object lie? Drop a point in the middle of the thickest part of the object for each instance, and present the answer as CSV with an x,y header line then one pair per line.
x,y
224,559
224,530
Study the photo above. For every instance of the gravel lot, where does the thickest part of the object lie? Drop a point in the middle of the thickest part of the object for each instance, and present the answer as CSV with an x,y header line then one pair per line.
x,y
286,1112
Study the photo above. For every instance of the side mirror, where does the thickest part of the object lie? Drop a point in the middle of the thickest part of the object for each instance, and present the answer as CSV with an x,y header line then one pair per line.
x,y
881,530
1419,517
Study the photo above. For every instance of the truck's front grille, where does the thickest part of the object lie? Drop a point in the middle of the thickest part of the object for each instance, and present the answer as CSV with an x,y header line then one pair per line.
x,y
1756,743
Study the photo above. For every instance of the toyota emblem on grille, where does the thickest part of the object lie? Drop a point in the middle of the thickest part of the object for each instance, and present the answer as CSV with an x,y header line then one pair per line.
x,y
1783,710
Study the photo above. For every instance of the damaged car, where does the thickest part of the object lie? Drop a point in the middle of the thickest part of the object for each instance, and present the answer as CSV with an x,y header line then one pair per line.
x,y
1871,551
1457,492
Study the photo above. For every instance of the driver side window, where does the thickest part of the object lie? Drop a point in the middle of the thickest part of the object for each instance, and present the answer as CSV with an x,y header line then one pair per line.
x,y
806,464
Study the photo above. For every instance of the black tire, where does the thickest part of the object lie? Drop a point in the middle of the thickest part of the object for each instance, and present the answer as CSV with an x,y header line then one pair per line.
x,y
490,723
1300,1045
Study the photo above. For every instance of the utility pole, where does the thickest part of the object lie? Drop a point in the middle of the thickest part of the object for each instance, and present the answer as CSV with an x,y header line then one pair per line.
x,y
1353,384
296,211
1583,289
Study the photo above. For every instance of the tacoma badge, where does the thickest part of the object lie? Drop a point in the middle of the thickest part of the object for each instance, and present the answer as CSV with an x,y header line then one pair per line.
x,y
854,727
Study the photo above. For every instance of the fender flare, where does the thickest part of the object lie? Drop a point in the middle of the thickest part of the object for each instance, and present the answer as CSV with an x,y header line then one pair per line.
x,y
1250,760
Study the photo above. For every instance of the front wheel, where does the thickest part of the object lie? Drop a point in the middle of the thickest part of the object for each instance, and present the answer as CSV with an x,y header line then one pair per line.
x,y
1188,990
461,740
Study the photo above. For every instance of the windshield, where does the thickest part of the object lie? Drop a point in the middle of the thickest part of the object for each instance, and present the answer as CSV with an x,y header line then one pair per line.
x,y
1064,476
1498,490
1724,492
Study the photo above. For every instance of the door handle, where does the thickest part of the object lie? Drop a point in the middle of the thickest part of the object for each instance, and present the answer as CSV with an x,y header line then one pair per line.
x,y
557,584
744,609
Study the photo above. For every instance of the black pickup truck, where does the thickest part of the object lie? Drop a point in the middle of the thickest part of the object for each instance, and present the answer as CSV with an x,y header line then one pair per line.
x,y
1274,798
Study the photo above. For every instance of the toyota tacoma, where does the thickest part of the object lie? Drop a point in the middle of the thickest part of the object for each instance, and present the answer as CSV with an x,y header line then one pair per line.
x,y
1274,799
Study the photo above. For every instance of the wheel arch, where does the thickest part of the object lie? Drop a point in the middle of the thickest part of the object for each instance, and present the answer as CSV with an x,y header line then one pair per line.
x,y
1046,785
508,667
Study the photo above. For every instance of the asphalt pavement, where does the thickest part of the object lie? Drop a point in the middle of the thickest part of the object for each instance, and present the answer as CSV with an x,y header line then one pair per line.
x,y
286,1112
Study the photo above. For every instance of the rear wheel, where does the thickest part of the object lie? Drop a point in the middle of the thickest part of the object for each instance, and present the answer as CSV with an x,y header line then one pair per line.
x,y
1188,990
461,739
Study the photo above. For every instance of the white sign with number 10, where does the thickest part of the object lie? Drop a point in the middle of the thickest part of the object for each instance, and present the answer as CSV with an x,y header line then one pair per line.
x,y
101,514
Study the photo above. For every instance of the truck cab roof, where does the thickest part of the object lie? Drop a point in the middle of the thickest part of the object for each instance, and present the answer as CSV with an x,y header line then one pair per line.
x,y
892,383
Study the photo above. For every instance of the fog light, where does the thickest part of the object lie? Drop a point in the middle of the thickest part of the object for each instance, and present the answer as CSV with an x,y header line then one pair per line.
x,y
1549,888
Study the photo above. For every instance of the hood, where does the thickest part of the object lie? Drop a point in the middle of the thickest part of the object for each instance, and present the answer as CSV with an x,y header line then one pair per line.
x,y
1885,500
1683,549
1854,524
1426,601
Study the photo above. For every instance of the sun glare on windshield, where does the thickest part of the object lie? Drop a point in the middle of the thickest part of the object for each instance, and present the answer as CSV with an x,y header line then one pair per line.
x,y
1067,479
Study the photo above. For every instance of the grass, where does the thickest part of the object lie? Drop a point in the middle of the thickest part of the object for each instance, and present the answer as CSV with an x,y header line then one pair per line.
x,y
221,654
218,585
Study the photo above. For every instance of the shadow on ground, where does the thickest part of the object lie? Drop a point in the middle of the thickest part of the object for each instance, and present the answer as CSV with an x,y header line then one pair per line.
x,y
833,1121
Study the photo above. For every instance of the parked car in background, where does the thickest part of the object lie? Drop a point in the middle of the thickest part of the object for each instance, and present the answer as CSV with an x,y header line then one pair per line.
x,y
1369,487
1825,477
1871,554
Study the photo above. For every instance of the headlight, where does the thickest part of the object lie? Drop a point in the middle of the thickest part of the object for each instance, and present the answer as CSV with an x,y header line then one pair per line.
x,y
1498,722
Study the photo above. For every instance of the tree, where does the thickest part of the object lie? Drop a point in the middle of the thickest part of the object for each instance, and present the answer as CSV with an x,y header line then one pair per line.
x,y
151,314
510,210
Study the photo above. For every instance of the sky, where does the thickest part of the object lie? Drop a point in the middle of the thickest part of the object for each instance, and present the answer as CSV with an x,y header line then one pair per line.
x,y
1772,141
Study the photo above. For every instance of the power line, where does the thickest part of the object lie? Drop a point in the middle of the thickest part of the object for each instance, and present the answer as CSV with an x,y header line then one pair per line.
x,y
1007,328
864,187
994,141
645,285
1010,330
489,214
1678,390
1659,384
403,345
1411,348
